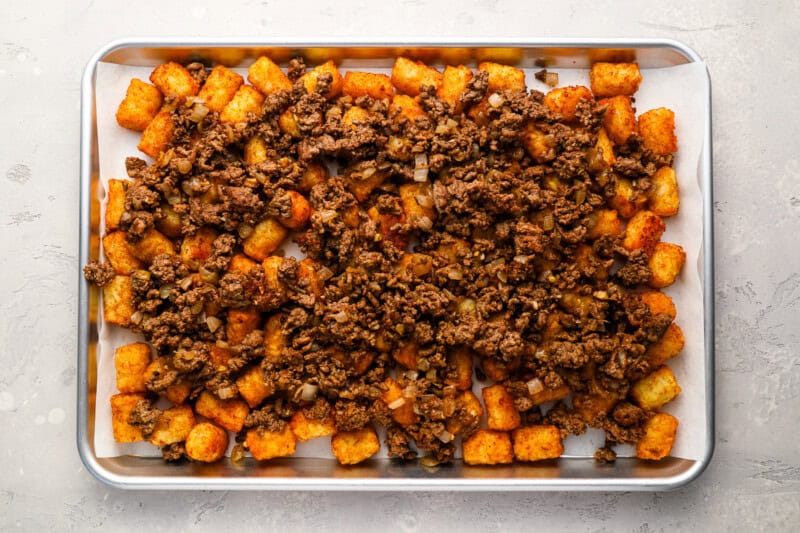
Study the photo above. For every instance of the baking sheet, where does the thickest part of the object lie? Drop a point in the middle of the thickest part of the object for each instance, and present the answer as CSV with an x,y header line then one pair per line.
x,y
681,88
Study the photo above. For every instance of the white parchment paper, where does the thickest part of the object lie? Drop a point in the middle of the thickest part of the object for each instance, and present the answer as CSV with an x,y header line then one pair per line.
x,y
682,88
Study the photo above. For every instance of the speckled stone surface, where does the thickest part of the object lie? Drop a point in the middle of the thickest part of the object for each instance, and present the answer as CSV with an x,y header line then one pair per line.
x,y
753,482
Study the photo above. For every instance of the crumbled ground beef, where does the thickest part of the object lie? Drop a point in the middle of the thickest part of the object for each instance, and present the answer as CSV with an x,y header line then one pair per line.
x,y
505,267
174,452
350,416
144,416
568,421
605,455
266,418
98,273
398,444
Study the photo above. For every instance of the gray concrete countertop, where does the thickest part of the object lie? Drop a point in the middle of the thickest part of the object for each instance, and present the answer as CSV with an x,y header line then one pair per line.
x,y
753,482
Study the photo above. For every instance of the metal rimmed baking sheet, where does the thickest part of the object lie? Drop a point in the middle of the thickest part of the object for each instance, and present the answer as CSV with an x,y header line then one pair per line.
x,y
303,473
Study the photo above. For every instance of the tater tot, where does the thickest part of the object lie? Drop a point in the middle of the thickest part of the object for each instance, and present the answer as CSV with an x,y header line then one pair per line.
x,y
353,447
141,104
377,86
409,76
488,447
666,263
659,436
657,128
206,443
612,79
267,77
565,100
300,211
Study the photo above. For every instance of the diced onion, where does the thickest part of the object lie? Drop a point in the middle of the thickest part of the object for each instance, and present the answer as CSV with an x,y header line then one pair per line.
x,y
199,112
164,158
455,274
535,386
324,273
445,436
237,454
395,144
327,215
209,276
410,391
183,165
502,276
428,461
196,308
368,172
548,223
245,230
412,375
213,323
448,407
308,392
174,198
521,259
340,317
425,200
186,187
166,290
420,168
136,317
186,282
424,223
398,403
600,295
495,100
466,306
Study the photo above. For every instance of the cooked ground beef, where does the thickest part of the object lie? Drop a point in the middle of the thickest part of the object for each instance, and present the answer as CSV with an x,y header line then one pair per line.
x,y
350,416
98,273
605,454
174,452
144,416
397,443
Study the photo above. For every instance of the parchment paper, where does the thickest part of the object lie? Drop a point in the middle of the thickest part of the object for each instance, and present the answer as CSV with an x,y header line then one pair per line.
x,y
682,88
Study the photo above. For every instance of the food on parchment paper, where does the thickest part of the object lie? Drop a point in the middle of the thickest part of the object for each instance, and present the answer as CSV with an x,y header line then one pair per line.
x,y
483,265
